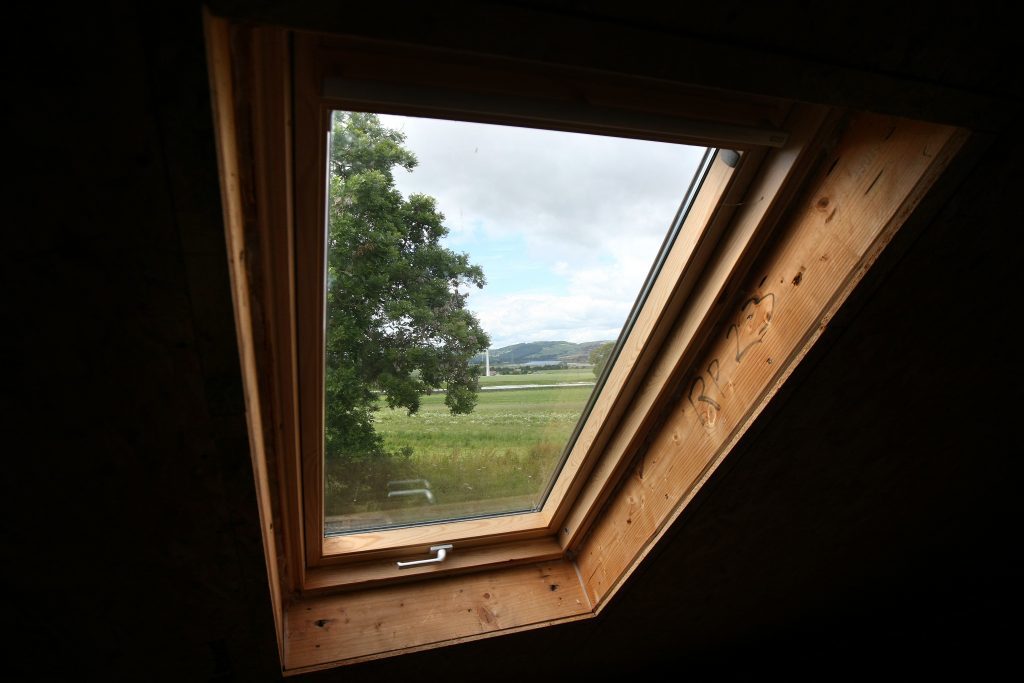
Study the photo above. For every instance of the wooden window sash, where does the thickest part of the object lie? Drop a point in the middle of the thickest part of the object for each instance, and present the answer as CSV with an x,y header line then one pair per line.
x,y
317,61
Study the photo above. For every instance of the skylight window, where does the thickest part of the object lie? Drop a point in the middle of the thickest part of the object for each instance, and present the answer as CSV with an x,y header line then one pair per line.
x,y
478,277
411,571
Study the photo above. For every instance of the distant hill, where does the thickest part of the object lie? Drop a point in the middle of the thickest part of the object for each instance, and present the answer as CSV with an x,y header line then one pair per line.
x,y
552,351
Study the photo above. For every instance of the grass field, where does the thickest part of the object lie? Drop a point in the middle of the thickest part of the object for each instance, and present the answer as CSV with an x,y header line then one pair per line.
x,y
504,451
541,377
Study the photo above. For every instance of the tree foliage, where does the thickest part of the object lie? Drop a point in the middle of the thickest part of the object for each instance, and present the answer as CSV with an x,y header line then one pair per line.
x,y
397,325
599,357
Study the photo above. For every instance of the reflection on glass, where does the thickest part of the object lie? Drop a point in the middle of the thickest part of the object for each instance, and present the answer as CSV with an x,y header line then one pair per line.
x,y
477,277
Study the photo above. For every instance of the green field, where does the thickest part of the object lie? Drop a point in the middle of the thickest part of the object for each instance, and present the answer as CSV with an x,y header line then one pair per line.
x,y
541,377
503,452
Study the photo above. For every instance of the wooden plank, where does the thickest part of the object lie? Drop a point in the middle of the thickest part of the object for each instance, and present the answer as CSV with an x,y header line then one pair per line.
x,y
404,515
485,530
271,119
460,560
311,123
762,205
380,622
419,81
720,64
218,51
880,170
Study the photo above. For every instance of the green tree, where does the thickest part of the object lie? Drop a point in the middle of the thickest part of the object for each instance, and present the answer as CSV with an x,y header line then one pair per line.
x,y
397,325
599,357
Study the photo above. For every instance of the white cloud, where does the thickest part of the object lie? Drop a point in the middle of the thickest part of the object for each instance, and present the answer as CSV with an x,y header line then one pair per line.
x,y
631,260
516,318
598,301
548,185
591,211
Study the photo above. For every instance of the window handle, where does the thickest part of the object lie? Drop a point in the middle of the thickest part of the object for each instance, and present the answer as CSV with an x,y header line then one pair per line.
x,y
441,550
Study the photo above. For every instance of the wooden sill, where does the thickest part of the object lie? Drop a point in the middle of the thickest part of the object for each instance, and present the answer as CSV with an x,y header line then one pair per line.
x,y
753,328
326,631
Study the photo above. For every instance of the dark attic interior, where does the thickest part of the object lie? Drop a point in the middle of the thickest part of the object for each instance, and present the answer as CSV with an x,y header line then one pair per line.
x,y
869,522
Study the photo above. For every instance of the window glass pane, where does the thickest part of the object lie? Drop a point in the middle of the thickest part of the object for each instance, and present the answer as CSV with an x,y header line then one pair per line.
x,y
477,279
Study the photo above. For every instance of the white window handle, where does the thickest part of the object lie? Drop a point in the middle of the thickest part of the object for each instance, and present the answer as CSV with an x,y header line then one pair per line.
x,y
441,550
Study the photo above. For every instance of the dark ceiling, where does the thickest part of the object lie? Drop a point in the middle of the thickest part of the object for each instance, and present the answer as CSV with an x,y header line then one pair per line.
x,y
867,521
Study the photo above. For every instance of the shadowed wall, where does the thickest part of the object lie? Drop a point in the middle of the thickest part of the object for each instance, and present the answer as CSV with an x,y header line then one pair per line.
x,y
870,515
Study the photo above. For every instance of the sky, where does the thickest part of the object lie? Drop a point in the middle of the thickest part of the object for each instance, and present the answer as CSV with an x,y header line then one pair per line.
x,y
565,225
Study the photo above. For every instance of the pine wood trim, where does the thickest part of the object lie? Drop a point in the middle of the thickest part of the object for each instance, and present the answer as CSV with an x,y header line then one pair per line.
x,y
405,540
268,50
859,199
311,121
230,139
464,558
345,628
369,75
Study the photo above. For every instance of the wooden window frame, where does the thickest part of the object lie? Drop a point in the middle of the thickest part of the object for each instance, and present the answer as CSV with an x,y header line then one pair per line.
x,y
317,59
685,374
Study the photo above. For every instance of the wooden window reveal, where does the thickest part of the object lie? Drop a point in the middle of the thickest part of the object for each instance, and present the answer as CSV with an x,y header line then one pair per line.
x,y
782,241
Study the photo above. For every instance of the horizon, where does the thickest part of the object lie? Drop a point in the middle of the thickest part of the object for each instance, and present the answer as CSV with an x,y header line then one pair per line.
x,y
551,341
497,355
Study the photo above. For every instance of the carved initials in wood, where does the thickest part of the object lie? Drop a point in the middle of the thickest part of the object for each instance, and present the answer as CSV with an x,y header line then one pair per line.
x,y
707,397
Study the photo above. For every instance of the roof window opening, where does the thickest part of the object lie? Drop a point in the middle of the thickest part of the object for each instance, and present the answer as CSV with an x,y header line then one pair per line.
x,y
478,278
